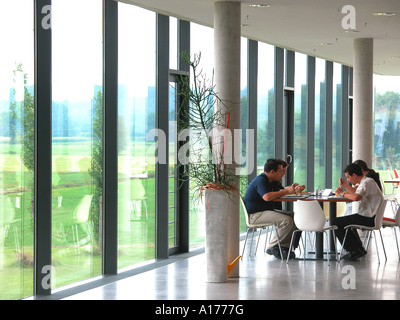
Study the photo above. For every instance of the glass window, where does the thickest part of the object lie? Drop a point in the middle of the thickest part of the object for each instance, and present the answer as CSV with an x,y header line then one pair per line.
x,y
337,170
173,172
265,105
320,124
136,124
300,119
76,139
386,155
243,118
16,149
173,43
201,42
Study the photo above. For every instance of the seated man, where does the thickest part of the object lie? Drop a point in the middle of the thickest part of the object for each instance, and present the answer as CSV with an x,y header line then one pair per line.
x,y
369,197
258,200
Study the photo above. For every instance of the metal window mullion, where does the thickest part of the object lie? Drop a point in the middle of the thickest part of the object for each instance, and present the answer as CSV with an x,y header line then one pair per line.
x,y
310,122
289,113
280,134
252,87
183,191
162,116
345,117
42,174
350,113
110,138
329,123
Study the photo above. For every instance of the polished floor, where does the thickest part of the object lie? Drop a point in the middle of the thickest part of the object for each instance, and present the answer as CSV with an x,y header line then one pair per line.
x,y
262,277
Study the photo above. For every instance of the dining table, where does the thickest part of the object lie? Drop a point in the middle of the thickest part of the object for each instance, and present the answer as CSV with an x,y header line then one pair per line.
x,y
393,180
332,200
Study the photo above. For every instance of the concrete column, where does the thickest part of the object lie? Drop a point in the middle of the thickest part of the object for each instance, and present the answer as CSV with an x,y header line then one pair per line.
x,y
227,85
363,61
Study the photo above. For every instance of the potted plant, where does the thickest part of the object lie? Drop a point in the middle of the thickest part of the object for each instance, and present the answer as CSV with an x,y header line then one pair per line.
x,y
204,120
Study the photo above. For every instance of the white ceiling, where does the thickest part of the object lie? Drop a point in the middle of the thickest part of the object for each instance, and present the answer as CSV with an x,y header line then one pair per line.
x,y
302,25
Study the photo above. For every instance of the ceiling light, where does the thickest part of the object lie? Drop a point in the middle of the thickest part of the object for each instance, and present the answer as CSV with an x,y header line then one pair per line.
x,y
259,5
325,44
395,57
384,14
351,30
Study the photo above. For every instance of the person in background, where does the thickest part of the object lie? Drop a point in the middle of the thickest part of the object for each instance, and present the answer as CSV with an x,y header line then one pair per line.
x,y
370,173
261,208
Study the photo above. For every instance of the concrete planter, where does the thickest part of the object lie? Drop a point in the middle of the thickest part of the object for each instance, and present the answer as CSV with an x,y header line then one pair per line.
x,y
216,250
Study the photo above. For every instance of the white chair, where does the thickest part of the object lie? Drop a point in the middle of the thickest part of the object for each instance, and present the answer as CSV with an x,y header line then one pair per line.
x,y
138,196
395,185
309,217
81,217
377,227
393,223
255,226
392,198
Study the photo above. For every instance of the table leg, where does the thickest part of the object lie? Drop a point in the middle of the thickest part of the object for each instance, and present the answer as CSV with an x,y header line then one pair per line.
x,y
319,241
332,216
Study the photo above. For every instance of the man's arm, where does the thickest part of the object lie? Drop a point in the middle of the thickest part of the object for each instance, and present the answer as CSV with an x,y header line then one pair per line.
x,y
269,196
344,185
349,194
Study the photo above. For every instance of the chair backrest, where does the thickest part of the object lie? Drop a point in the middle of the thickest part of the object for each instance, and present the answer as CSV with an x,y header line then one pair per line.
x,y
397,217
81,212
308,215
383,185
245,211
396,175
137,189
380,211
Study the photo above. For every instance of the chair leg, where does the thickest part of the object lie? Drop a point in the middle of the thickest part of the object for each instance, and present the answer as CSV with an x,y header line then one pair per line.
x,y
335,246
366,240
397,243
279,242
344,241
377,251
258,240
383,245
305,245
266,238
291,246
245,241
251,243
327,246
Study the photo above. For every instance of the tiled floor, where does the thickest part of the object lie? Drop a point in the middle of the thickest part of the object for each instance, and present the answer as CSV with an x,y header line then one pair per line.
x,y
262,277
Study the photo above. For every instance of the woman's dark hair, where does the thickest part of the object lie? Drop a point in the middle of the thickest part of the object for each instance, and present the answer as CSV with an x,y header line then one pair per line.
x,y
353,168
362,164
273,164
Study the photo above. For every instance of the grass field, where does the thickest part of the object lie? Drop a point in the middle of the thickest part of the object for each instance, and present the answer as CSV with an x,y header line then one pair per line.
x,y
74,261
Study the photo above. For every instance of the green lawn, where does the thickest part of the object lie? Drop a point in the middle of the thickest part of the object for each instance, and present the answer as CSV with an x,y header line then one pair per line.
x,y
71,182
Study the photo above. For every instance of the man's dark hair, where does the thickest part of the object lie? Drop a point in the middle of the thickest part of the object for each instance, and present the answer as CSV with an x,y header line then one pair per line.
x,y
273,164
353,168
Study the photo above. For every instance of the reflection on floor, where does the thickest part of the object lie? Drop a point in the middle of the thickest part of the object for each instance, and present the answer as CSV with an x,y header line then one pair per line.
x,y
262,277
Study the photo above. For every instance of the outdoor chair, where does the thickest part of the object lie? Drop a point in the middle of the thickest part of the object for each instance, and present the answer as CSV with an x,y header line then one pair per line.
x,y
394,224
81,217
